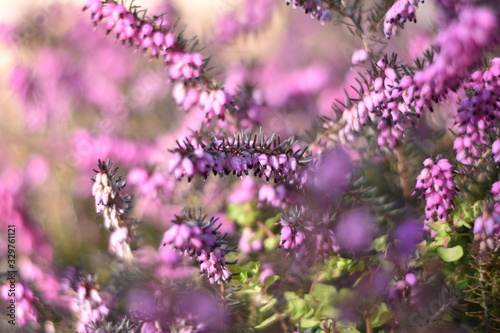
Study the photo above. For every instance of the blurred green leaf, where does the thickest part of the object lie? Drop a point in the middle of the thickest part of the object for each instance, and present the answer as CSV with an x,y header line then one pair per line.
x,y
450,254
269,305
380,243
380,315
347,327
269,280
309,323
268,322
248,271
272,221
245,215
271,244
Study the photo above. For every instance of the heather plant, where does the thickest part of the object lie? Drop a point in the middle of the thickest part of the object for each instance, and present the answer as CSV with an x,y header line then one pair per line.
x,y
342,176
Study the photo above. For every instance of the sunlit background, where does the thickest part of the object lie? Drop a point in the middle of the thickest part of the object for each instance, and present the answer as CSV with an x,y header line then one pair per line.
x,y
71,95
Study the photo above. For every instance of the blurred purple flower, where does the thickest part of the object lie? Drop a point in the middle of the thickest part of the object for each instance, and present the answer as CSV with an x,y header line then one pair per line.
x,y
333,173
406,236
356,230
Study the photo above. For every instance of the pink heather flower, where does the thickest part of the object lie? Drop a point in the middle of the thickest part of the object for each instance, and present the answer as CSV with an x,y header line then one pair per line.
x,y
359,56
184,65
273,195
149,185
151,327
169,255
108,200
153,35
88,305
254,15
237,156
461,46
185,96
487,230
495,149
13,211
244,192
213,103
266,270
380,101
86,149
119,243
398,14
308,234
314,8
213,265
477,115
438,188
291,238
25,311
192,237
406,288
248,242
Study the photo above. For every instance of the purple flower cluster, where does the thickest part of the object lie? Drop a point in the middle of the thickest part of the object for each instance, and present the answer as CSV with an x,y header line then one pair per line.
x,y
379,101
436,182
109,202
256,13
314,8
495,149
25,302
308,234
155,35
406,288
487,230
393,98
487,226
291,236
398,14
88,305
461,46
478,114
200,240
264,157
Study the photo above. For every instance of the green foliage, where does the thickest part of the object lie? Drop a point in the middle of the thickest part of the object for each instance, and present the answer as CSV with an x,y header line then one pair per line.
x,y
450,254
246,215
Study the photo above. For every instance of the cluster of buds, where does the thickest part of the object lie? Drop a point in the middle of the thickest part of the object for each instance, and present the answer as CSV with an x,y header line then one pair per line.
x,y
149,34
487,226
291,236
495,149
23,311
398,14
475,30
379,102
394,96
477,115
155,35
192,236
111,204
320,240
487,230
405,288
243,154
436,182
314,8
254,16
88,306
